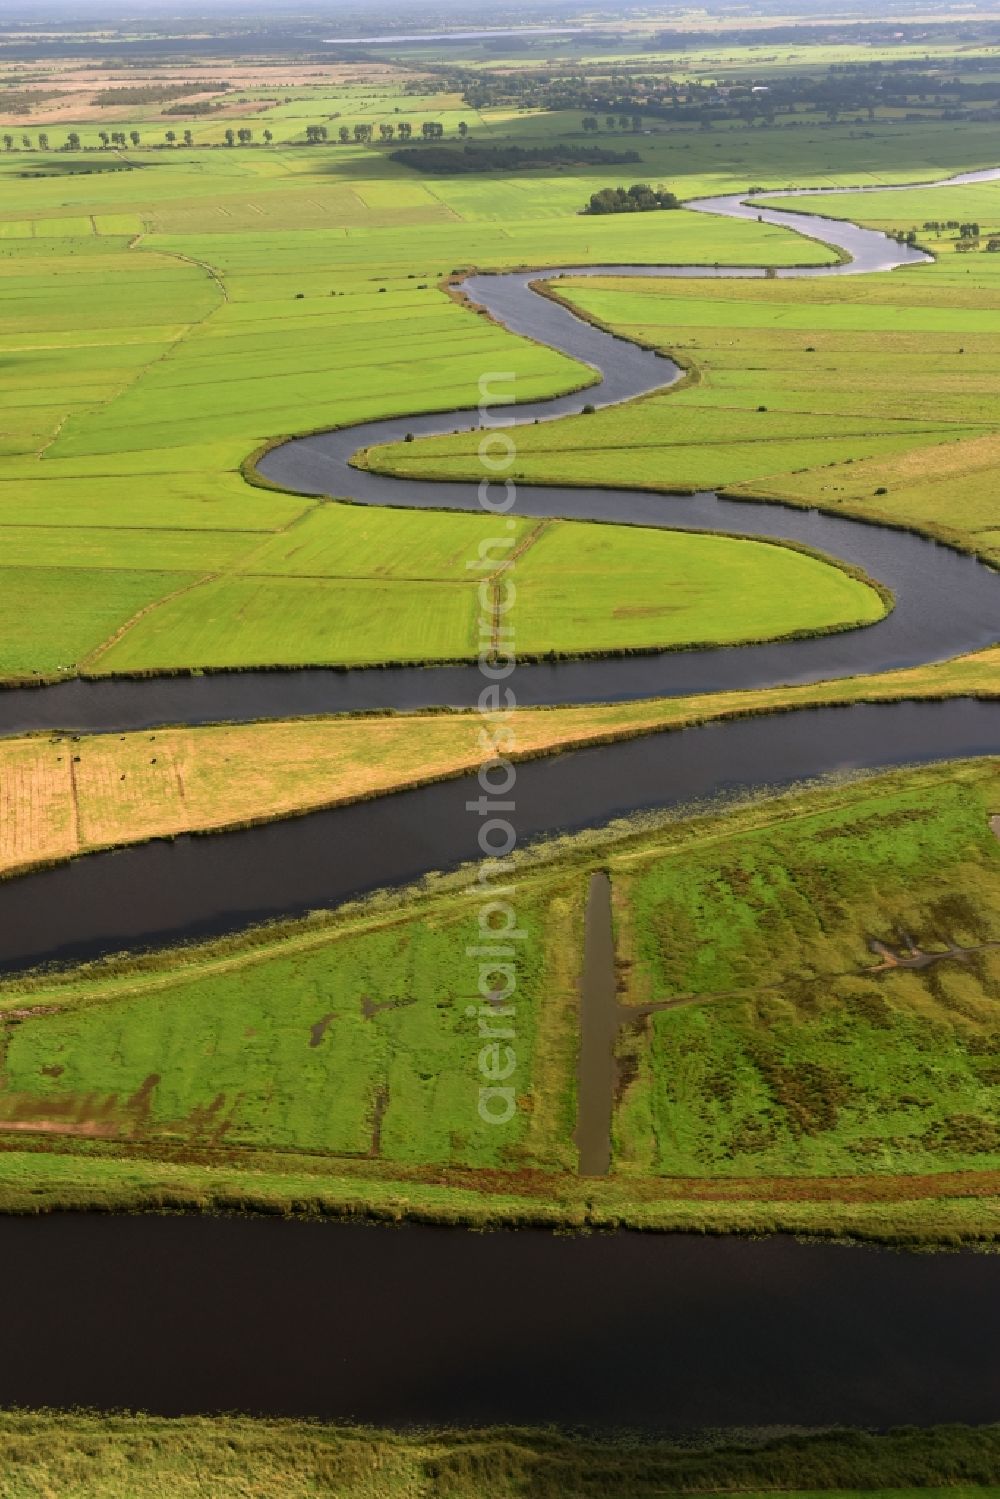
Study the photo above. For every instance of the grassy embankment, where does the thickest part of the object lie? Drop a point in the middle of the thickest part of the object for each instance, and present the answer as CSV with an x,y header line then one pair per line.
x,y
63,795
90,1456
331,1064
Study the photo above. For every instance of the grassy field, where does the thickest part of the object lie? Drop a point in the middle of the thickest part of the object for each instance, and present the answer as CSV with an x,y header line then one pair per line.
x,y
338,1052
351,586
788,1053
351,1048
158,324
161,320
110,1457
806,985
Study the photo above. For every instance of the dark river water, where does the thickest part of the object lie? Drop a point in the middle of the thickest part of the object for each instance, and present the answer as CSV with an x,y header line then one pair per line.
x,y
433,1325
181,1314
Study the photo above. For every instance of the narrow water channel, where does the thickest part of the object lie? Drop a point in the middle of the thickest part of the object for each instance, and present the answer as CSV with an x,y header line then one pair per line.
x,y
599,1021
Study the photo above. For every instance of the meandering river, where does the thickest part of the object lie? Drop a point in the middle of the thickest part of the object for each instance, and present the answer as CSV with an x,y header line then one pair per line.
x,y
432,1325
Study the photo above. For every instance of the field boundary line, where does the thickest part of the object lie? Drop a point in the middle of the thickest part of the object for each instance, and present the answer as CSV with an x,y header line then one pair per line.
x,y
169,345
93,656
74,798
201,265
493,581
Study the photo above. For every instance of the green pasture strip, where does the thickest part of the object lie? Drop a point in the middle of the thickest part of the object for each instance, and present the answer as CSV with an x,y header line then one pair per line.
x,y
318,1050
353,585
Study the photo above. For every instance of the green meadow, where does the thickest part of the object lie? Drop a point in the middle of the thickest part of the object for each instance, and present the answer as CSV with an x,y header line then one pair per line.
x,y
406,594
350,1049
786,1054
164,313
772,1027
159,324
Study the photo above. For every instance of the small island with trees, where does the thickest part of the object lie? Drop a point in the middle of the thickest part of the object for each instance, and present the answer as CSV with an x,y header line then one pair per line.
x,y
639,198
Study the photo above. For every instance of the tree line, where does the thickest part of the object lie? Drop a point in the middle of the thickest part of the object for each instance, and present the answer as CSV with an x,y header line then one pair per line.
x,y
401,130
631,122
487,157
620,96
119,139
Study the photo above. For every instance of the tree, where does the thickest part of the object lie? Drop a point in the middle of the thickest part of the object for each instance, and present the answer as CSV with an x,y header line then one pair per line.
x,y
244,135
386,131
26,142
134,137
639,198
362,133
118,137
8,143
404,130
463,129
993,245
606,201
172,136
188,138
317,133
623,122
104,138
230,137
431,130
344,135
589,122
73,140
636,123
268,137
43,142
610,122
